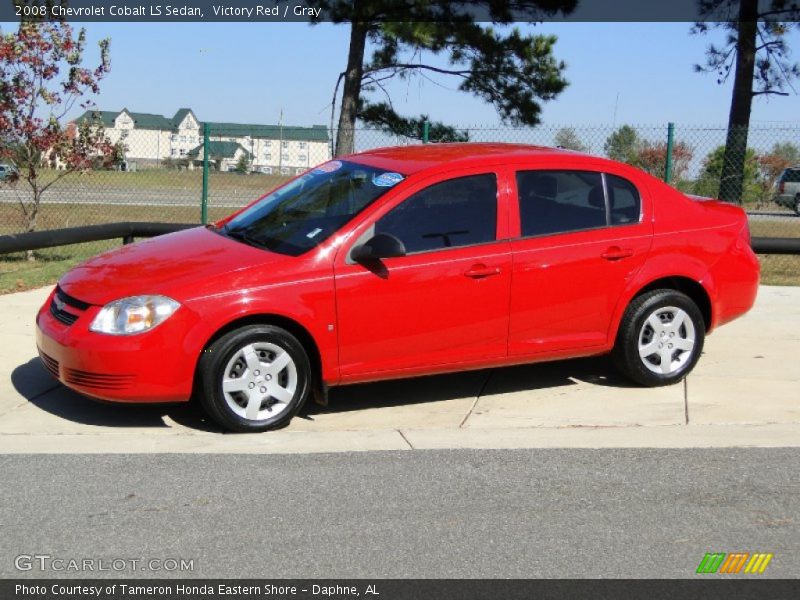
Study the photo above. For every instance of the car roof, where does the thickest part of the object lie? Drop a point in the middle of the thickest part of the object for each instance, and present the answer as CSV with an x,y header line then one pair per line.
x,y
410,159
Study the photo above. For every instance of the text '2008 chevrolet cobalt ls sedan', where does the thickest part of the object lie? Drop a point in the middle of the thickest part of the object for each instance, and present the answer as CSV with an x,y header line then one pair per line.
x,y
400,262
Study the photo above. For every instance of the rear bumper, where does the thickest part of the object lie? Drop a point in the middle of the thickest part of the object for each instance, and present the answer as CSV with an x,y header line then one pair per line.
x,y
149,367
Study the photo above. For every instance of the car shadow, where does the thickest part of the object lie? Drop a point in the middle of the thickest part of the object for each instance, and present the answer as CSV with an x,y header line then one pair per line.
x,y
34,383
485,382
31,381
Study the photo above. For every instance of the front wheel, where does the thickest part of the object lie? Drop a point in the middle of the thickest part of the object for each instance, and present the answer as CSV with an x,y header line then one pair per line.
x,y
660,338
254,378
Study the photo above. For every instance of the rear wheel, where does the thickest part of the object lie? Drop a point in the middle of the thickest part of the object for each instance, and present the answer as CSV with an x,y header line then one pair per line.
x,y
254,378
797,205
660,338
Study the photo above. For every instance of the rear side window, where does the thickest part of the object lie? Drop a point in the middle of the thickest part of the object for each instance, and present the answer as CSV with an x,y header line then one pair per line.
x,y
560,201
623,201
457,212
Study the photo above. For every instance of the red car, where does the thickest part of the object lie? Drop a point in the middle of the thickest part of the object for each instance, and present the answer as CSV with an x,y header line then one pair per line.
x,y
401,262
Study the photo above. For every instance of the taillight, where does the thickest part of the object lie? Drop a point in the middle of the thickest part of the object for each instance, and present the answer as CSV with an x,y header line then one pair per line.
x,y
782,187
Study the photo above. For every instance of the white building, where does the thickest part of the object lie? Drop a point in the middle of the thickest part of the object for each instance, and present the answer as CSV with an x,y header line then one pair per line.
x,y
151,139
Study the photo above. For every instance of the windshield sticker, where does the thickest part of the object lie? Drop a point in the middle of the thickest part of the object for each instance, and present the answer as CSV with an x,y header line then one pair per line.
x,y
387,179
314,233
328,167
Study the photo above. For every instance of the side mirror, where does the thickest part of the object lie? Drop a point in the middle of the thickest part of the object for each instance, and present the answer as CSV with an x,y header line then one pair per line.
x,y
382,245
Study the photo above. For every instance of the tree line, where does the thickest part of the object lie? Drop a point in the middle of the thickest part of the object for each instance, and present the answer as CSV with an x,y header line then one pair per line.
x,y
760,172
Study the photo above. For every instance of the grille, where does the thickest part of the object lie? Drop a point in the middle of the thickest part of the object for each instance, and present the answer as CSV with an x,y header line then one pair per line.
x,y
50,363
98,380
62,300
67,318
69,300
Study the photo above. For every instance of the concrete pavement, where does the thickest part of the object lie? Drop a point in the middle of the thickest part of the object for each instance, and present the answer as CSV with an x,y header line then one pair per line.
x,y
744,392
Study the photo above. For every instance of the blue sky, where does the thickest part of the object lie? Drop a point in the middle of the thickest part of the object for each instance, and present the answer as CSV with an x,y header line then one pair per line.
x,y
250,72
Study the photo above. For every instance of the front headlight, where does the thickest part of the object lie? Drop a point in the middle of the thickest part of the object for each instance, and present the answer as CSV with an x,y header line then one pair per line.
x,y
133,315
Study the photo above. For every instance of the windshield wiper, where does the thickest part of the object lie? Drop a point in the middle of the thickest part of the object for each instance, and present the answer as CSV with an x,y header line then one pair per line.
x,y
242,234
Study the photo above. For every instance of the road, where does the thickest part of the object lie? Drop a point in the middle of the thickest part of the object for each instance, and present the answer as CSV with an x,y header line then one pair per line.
x,y
431,514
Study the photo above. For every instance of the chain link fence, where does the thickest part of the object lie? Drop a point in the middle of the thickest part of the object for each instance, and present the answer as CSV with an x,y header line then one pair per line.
x,y
160,176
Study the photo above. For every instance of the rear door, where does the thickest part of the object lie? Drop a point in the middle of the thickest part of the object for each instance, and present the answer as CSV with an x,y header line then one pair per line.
x,y
583,236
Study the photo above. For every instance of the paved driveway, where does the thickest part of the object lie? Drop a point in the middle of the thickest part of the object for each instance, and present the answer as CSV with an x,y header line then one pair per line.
x,y
744,392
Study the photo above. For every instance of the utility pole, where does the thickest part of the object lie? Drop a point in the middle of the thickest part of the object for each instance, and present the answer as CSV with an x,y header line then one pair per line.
x,y
280,142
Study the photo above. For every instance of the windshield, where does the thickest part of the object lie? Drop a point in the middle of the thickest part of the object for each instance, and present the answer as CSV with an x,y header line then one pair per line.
x,y
307,211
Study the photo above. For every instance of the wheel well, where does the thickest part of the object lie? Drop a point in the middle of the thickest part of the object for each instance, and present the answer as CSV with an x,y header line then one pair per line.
x,y
691,288
293,327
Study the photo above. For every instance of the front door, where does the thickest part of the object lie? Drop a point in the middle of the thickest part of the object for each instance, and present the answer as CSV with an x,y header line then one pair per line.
x,y
445,302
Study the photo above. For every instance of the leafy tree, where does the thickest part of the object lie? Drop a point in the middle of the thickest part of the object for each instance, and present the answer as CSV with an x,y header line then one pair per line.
x,y
512,71
41,78
243,164
708,184
772,164
566,137
652,157
755,49
782,155
623,145
383,116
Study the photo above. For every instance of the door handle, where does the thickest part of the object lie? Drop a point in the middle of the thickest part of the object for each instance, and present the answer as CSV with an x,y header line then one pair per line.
x,y
616,253
480,271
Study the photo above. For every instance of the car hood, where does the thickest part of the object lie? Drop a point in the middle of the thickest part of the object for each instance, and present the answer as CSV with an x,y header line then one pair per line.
x,y
182,265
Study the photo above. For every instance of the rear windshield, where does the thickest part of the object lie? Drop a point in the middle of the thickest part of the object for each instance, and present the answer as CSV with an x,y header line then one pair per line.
x,y
308,210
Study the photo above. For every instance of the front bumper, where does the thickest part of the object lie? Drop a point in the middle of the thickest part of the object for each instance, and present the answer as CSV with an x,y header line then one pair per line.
x,y
155,366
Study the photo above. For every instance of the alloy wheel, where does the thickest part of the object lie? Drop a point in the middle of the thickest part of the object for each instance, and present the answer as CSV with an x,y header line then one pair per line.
x,y
259,381
667,340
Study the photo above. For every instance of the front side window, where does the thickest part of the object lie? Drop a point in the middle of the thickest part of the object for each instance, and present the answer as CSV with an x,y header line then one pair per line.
x,y
307,211
560,201
457,212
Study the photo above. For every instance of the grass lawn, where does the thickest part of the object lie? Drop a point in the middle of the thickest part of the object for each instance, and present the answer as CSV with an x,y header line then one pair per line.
x,y
18,274
789,229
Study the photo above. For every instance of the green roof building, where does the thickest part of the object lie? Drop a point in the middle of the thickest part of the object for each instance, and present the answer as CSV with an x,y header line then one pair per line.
x,y
151,139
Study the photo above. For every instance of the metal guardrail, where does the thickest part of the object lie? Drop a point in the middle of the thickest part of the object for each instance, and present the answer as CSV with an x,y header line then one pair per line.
x,y
128,231
775,245
88,233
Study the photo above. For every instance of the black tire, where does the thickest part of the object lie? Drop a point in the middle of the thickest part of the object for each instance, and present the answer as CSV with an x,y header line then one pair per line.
x,y
797,205
231,355
635,329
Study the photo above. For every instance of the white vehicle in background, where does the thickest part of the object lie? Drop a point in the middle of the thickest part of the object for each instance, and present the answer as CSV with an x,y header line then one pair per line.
x,y
789,189
7,171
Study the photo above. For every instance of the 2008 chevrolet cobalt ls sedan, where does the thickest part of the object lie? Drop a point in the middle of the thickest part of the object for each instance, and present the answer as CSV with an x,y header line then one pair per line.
x,y
401,262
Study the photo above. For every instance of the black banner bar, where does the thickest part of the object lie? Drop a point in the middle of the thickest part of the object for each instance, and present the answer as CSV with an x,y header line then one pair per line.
x,y
705,587
313,10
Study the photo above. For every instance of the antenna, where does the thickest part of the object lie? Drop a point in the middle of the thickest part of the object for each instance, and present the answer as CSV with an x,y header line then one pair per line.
x,y
614,119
